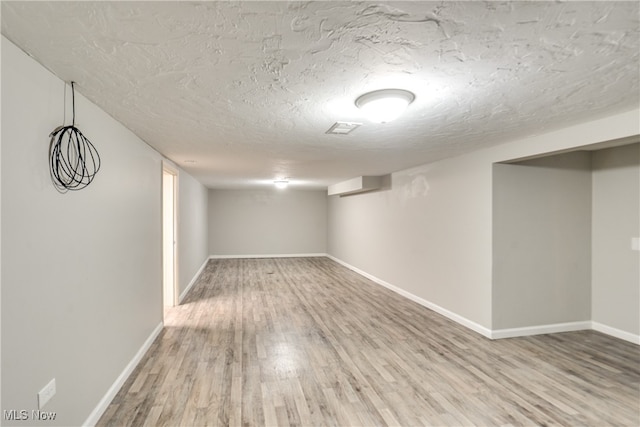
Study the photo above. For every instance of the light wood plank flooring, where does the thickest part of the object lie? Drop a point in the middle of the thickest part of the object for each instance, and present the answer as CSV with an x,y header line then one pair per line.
x,y
307,342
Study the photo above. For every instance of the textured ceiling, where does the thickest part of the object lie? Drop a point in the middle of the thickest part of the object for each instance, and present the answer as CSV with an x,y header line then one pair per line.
x,y
248,89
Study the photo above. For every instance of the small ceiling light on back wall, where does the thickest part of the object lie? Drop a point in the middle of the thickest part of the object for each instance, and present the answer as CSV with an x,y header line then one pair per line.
x,y
385,105
281,183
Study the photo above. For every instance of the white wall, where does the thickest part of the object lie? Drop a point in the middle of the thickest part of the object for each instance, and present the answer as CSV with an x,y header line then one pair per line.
x,y
616,219
542,241
267,222
81,272
1,245
425,235
81,283
193,224
431,234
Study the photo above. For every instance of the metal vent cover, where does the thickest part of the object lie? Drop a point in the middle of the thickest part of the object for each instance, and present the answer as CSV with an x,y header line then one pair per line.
x,y
343,128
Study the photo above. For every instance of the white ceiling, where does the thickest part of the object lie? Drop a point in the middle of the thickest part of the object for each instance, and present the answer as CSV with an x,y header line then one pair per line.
x,y
248,89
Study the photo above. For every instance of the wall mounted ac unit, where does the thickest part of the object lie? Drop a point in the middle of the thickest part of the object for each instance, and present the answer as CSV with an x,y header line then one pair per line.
x,y
360,184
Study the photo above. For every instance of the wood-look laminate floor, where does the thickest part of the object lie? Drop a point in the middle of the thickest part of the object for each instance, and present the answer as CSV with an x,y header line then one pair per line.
x,y
306,342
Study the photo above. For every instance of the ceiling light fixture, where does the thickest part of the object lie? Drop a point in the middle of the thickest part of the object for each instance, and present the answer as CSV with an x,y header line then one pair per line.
x,y
281,183
385,105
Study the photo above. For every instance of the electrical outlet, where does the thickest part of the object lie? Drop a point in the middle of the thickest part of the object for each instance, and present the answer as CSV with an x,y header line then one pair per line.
x,y
46,393
635,243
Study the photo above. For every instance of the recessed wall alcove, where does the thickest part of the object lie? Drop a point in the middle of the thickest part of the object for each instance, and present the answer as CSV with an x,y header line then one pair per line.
x,y
564,226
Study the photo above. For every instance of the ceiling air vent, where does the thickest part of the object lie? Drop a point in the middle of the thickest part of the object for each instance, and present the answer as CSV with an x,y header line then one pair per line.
x,y
342,128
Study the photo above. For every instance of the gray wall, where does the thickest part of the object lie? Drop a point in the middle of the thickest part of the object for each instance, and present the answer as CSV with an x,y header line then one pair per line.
x,y
542,241
193,228
81,281
430,234
81,272
267,222
616,219
425,235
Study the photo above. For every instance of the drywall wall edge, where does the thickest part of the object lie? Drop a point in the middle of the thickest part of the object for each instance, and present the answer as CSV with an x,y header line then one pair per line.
x,y
193,281
267,256
440,310
102,406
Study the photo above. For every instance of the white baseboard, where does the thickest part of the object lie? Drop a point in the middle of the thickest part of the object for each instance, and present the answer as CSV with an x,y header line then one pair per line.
x,y
623,335
440,310
193,281
498,333
540,329
267,256
95,415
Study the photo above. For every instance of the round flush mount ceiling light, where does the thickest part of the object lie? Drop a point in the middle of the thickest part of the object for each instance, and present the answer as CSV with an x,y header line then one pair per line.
x,y
385,105
281,183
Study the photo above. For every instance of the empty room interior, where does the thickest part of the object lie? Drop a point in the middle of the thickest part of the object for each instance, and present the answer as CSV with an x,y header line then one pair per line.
x,y
320,213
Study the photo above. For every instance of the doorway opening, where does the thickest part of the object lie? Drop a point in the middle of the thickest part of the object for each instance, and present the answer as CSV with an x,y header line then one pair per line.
x,y
169,238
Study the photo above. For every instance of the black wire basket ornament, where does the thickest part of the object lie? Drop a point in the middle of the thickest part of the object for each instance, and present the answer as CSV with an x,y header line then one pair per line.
x,y
73,159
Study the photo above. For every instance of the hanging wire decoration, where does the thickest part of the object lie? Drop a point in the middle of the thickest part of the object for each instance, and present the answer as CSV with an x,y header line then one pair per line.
x,y
73,159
